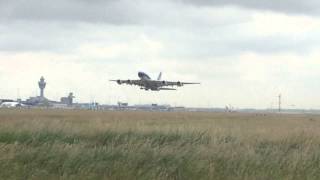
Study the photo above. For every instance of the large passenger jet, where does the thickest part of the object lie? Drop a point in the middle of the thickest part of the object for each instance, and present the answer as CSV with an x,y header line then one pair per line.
x,y
146,83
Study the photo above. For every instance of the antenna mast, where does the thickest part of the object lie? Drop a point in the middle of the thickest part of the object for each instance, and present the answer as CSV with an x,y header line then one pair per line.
x,y
279,105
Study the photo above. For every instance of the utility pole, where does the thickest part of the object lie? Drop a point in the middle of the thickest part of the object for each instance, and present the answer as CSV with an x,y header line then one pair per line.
x,y
279,103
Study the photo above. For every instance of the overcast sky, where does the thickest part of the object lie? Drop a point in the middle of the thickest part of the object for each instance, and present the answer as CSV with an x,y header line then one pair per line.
x,y
244,52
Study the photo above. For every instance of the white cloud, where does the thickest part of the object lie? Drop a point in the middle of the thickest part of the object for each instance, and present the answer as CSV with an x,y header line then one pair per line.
x,y
310,7
266,24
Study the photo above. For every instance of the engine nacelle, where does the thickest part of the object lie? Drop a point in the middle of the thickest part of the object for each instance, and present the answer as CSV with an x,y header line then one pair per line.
x,y
129,81
179,84
164,83
119,82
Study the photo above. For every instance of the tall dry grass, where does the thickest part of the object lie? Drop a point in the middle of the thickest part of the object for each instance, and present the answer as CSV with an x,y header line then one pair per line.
x,y
58,144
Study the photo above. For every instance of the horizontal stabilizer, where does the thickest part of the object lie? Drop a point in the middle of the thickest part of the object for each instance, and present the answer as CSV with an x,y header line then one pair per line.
x,y
172,89
191,83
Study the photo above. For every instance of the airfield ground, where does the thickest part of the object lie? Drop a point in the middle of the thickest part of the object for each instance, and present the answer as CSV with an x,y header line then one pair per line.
x,y
60,144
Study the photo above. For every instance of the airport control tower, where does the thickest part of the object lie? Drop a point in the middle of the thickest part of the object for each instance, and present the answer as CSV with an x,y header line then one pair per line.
x,y
42,85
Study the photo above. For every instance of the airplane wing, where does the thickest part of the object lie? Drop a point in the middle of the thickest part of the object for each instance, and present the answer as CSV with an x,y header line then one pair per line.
x,y
129,82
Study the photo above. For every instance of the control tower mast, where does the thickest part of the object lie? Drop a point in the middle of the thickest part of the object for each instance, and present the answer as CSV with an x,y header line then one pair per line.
x,y
42,85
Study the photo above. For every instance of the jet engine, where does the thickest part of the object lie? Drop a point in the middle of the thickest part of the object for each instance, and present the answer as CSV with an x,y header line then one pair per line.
x,y
119,82
179,84
164,83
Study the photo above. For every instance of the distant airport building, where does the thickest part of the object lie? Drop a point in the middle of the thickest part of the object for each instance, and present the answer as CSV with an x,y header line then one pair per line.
x,y
67,100
39,100
121,104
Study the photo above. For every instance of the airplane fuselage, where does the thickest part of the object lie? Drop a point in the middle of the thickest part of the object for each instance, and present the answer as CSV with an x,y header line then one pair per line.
x,y
147,81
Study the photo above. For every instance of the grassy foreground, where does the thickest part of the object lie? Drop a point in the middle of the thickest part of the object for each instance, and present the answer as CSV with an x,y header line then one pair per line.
x,y
56,144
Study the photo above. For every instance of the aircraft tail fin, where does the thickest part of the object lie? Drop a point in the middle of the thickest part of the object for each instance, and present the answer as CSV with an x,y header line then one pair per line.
x,y
159,77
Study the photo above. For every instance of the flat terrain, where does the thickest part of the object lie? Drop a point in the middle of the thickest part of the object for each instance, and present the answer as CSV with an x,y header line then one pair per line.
x,y
60,144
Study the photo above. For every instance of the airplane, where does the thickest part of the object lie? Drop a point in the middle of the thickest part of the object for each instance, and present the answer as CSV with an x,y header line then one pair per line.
x,y
146,83
10,104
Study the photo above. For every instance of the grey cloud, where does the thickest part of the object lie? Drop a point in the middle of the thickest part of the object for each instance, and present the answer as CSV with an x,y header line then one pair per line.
x,y
176,43
60,26
114,12
201,34
214,45
310,7
23,37
120,12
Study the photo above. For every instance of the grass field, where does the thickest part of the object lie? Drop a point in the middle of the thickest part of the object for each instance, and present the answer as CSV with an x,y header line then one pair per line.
x,y
57,144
